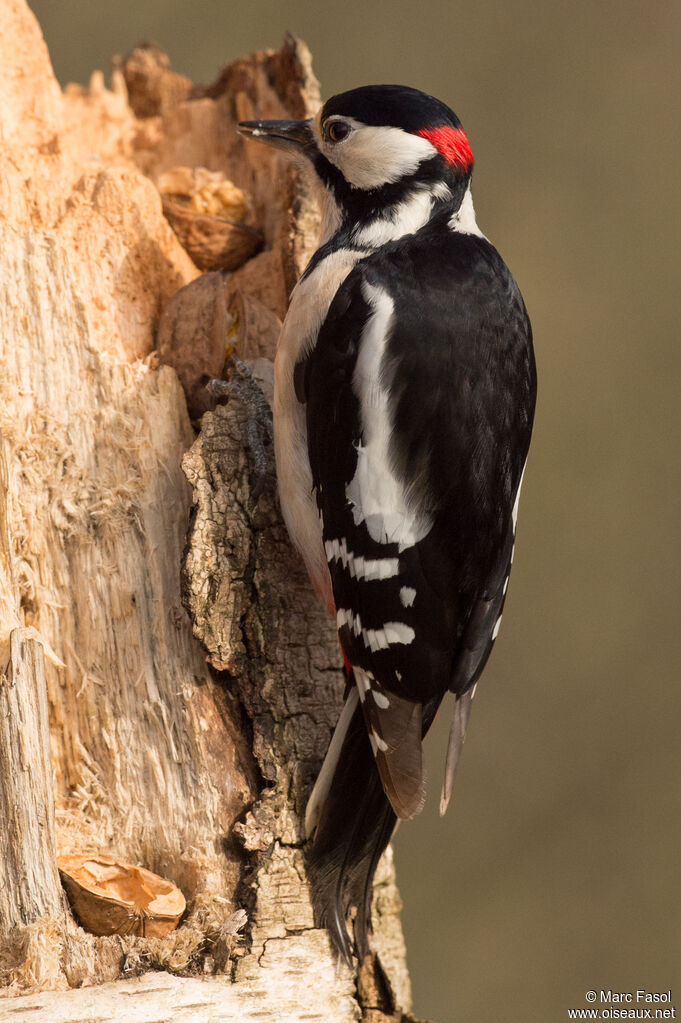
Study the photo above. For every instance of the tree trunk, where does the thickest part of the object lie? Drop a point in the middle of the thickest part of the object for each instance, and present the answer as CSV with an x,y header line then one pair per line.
x,y
186,743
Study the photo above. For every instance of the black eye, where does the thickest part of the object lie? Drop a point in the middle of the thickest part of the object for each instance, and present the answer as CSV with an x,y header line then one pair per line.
x,y
337,131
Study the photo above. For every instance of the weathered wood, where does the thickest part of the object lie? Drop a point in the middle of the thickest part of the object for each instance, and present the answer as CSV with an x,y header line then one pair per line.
x,y
199,771
29,883
29,886
9,597
155,997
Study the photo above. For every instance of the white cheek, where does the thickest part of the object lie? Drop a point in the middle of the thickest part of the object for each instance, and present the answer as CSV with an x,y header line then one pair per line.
x,y
376,156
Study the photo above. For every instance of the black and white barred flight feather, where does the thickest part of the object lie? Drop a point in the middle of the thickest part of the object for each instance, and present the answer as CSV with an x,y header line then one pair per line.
x,y
404,399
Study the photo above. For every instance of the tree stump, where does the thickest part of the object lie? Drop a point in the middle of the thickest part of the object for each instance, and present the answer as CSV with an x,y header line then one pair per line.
x,y
178,728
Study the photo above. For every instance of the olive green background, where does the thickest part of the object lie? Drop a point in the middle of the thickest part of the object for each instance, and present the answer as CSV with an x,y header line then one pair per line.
x,y
557,868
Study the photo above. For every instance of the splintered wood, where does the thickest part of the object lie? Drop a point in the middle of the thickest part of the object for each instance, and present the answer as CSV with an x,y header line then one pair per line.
x,y
127,728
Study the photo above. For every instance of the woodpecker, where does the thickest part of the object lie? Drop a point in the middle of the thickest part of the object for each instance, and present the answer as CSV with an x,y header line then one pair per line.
x,y
405,388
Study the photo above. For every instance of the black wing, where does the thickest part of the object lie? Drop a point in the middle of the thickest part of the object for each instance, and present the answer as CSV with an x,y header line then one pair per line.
x,y
420,398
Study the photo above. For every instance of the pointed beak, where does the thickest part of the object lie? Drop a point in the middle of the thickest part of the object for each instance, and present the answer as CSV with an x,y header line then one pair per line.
x,y
294,136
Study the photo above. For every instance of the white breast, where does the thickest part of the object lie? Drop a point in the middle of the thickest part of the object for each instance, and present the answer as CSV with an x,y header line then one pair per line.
x,y
309,305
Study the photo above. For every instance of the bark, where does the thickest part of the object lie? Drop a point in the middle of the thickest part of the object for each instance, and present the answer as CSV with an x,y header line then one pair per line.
x,y
186,743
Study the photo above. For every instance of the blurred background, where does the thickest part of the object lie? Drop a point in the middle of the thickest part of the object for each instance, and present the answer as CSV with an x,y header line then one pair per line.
x,y
557,868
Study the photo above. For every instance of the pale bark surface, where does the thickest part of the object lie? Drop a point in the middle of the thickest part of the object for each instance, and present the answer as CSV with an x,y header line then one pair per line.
x,y
27,850
117,735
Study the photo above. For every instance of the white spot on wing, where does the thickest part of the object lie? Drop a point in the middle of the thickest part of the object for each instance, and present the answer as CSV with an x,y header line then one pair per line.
x,y
358,566
376,568
497,626
380,699
375,639
398,632
407,595
344,616
377,498
363,680
378,742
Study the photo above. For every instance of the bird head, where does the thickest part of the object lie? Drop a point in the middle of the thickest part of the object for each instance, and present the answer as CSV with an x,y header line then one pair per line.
x,y
374,148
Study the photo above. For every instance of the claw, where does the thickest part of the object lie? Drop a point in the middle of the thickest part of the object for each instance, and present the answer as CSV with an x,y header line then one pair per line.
x,y
219,388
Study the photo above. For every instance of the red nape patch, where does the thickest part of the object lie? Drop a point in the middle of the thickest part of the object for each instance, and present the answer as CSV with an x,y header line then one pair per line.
x,y
452,143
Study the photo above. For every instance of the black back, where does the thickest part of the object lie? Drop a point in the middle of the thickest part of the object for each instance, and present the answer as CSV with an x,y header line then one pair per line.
x,y
462,379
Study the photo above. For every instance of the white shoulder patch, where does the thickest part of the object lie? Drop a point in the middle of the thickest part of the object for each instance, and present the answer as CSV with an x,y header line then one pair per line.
x,y
377,497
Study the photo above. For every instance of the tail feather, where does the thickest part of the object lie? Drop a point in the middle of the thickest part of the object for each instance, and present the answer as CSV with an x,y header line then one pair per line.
x,y
363,919
457,735
395,732
353,828
315,803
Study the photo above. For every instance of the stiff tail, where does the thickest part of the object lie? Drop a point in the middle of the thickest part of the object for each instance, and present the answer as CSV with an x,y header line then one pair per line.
x,y
353,827
354,822
457,735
